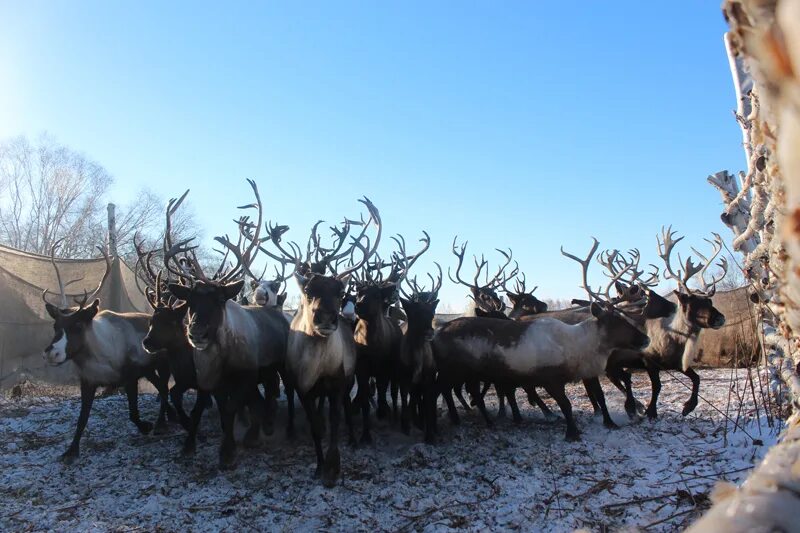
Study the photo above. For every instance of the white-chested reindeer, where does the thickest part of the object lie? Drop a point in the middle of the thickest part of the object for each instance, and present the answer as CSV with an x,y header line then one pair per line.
x,y
106,348
235,347
674,338
321,358
545,352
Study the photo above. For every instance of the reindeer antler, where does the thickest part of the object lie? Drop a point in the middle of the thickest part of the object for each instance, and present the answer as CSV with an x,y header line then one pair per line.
x,y
585,268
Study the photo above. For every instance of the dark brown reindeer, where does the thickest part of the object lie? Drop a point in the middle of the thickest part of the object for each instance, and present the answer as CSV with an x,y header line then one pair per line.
x,y
417,369
378,336
523,302
546,352
486,302
321,357
106,348
235,347
675,337
166,337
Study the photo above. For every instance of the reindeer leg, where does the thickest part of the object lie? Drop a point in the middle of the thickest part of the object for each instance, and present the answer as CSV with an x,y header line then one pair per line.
x,y
429,395
689,406
289,390
87,398
597,392
451,406
535,399
405,408
257,406
132,391
316,430
395,389
460,396
557,392
176,395
363,384
321,411
509,393
655,381
332,468
473,388
592,398
501,402
190,443
348,420
227,412
162,386
383,405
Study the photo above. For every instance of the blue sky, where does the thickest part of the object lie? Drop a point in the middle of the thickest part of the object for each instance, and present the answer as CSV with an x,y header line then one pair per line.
x,y
523,125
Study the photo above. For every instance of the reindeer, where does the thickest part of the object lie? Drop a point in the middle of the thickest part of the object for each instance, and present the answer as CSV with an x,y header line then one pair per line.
x,y
634,298
166,336
523,302
675,337
486,302
545,352
106,348
378,337
321,357
235,347
417,368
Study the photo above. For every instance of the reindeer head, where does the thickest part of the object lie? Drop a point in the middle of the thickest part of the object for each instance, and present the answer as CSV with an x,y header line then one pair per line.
x,y
322,286
420,304
523,302
484,294
267,293
206,302
166,327
206,298
695,304
70,323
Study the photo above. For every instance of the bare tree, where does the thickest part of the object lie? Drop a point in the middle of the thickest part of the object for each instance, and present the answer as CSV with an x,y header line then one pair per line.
x,y
49,191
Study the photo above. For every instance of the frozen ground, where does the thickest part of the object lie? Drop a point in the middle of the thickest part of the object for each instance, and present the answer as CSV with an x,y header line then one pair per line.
x,y
648,475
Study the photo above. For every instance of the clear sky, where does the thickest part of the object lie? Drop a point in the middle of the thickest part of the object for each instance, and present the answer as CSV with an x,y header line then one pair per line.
x,y
516,124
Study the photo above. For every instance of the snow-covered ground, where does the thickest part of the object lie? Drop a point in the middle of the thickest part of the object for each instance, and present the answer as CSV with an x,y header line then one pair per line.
x,y
656,474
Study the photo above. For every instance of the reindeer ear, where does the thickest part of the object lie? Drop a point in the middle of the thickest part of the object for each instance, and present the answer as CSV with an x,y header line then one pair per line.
x,y
232,289
181,308
52,310
682,297
596,310
181,292
434,303
512,297
281,298
301,280
94,308
480,312
388,291
620,288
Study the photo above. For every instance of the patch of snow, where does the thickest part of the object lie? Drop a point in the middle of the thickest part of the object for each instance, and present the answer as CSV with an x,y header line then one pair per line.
x,y
511,477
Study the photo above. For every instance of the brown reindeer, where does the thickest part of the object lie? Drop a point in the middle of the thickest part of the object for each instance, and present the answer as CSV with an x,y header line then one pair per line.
x,y
321,357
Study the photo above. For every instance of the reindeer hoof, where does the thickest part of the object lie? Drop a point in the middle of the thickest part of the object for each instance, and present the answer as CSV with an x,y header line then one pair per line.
x,y
145,427
610,424
652,414
227,462
188,449
160,428
573,437
172,414
688,407
69,456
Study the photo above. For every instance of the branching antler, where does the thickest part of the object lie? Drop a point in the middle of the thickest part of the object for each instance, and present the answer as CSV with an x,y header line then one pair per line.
x,y
585,269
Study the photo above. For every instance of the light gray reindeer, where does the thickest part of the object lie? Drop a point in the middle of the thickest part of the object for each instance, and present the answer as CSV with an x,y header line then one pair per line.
x,y
106,348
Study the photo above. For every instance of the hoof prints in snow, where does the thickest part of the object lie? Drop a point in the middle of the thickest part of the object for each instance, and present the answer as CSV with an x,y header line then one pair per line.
x,y
514,476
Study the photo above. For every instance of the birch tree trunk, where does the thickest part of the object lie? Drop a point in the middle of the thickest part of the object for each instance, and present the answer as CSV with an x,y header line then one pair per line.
x,y
764,46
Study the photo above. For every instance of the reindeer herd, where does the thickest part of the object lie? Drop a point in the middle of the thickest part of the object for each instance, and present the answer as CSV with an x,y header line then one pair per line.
x,y
365,333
